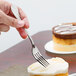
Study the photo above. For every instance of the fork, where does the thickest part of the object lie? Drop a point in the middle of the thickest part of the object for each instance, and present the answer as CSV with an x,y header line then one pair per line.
x,y
35,51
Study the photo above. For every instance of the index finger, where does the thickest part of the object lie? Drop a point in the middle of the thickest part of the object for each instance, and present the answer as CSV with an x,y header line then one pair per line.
x,y
24,18
21,13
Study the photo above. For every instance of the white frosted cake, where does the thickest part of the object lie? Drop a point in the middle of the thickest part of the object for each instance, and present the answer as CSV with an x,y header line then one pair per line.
x,y
57,67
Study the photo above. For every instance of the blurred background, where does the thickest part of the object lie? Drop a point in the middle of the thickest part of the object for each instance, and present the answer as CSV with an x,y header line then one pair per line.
x,y
42,15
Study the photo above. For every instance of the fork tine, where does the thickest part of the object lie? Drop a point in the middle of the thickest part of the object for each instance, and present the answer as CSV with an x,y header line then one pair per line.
x,y
42,59
38,59
45,60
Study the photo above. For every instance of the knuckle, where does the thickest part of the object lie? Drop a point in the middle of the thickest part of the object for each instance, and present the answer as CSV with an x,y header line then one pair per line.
x,y
0,16
7,29
14,22
4,28
6,9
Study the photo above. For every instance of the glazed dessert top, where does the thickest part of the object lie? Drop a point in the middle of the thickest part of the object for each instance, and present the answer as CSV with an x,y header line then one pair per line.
x,y
57,66
65,31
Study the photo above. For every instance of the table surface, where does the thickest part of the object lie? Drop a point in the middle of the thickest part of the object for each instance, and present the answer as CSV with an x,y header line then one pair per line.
x,y
20,54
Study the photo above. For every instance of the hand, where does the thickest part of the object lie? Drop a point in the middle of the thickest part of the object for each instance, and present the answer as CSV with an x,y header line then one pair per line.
x,y
7,19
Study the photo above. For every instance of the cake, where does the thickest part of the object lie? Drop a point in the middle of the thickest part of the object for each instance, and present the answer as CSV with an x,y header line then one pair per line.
x,y
64,37
57,67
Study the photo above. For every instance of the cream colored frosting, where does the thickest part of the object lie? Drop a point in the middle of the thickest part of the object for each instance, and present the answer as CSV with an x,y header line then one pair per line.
x,y
57,66
65,29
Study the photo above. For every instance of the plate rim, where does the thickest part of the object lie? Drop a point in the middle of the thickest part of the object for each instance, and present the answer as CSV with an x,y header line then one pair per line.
x,y
57,52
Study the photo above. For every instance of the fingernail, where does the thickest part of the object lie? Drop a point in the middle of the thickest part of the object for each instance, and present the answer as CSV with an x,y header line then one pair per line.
x,y
20,24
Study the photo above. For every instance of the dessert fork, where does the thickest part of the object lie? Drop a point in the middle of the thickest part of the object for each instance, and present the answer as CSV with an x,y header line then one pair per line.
x,y
35,51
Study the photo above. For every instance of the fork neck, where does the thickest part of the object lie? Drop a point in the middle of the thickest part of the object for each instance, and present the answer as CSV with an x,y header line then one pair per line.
x,y
32,42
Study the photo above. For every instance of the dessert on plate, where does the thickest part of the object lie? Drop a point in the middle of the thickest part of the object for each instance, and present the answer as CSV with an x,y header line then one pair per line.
x,y
64,37
57,67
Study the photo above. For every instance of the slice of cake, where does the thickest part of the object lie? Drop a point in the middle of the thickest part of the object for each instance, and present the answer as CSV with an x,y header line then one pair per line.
x,y
64,37
57,67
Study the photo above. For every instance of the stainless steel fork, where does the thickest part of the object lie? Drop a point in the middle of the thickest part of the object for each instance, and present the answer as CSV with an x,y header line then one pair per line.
x,y
35,52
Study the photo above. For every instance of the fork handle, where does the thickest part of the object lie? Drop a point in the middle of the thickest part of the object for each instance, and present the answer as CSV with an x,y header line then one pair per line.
x,y
30,38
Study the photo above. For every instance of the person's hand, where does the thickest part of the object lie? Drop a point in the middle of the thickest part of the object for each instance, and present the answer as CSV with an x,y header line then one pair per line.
x,y
7,19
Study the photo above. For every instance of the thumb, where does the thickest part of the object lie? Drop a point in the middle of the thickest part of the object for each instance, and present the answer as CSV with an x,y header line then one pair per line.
x,y
11,21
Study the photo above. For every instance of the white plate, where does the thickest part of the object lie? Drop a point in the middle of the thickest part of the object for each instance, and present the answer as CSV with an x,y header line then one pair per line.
x,y
74,74
49,47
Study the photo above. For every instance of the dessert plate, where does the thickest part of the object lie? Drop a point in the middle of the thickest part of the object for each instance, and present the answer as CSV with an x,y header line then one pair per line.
x,y
74,74
49,47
